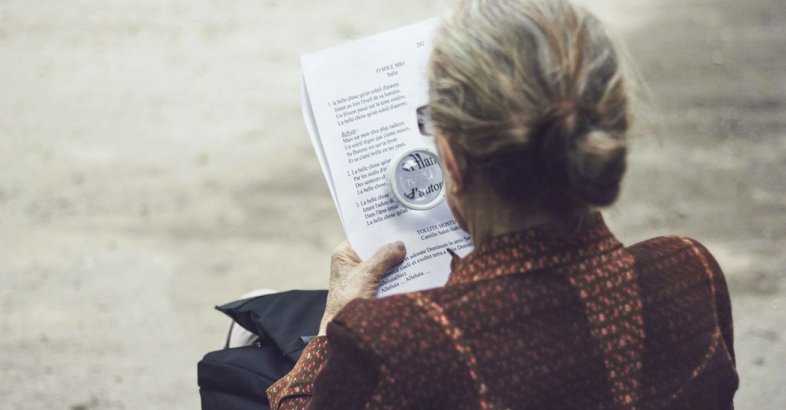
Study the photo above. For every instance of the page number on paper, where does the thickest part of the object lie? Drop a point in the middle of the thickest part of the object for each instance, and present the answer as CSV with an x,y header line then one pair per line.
x,y
420,44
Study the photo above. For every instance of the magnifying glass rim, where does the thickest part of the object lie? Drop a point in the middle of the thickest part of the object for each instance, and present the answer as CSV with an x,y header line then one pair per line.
x,y
392,181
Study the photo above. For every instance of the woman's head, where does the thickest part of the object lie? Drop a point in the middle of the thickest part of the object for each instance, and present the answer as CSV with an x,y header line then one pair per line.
x,y
531,96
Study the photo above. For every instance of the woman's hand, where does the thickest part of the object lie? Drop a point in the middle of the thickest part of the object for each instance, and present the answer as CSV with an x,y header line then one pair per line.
x,y
351,278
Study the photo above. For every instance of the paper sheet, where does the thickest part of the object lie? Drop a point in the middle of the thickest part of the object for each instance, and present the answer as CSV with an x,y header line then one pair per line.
x,y
359,103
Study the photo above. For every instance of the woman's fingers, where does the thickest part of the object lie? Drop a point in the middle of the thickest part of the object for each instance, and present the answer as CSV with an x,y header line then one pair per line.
x,y
350,278
385,258
348,272
344,254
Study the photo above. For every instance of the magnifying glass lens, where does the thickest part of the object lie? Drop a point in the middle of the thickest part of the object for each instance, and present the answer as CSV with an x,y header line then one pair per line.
x,y
416,179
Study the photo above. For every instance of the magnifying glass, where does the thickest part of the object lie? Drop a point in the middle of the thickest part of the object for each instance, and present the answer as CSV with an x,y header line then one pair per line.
x,y
416,180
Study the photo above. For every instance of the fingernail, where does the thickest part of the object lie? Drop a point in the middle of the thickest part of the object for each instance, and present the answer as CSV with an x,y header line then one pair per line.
x,y
399,245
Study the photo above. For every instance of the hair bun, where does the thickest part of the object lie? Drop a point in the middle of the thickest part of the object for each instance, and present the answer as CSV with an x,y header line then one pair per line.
x,y
596,167
586,163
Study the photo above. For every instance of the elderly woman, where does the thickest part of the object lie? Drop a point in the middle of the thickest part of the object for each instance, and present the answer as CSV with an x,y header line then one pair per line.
x,y
529,102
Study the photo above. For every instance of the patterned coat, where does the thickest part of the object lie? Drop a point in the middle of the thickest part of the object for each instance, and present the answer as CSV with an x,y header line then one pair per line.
x,y
532,320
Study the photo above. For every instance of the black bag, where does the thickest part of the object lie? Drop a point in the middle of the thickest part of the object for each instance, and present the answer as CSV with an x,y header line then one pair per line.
x,y
237,378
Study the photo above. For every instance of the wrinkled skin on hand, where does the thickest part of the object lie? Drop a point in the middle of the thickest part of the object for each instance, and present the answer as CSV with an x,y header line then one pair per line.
x,y
352,278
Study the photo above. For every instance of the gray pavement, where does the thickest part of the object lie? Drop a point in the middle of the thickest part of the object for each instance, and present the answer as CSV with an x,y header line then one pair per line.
x,y
153,163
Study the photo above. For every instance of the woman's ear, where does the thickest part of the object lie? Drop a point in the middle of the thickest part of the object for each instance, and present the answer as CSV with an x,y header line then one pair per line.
x,y
451,165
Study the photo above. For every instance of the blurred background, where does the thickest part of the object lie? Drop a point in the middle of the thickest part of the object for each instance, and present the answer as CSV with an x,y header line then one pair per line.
x,y
154,163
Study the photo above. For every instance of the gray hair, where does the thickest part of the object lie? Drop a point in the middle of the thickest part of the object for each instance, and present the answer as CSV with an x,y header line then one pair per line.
x,y
532,93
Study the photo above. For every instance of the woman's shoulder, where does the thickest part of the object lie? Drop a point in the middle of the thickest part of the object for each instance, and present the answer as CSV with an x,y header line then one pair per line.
x,y
373,312
396,323
670,253
686,312
680,271
378,316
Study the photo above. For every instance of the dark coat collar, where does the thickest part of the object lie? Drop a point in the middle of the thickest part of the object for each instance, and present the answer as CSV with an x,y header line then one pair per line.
x,y
539,248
